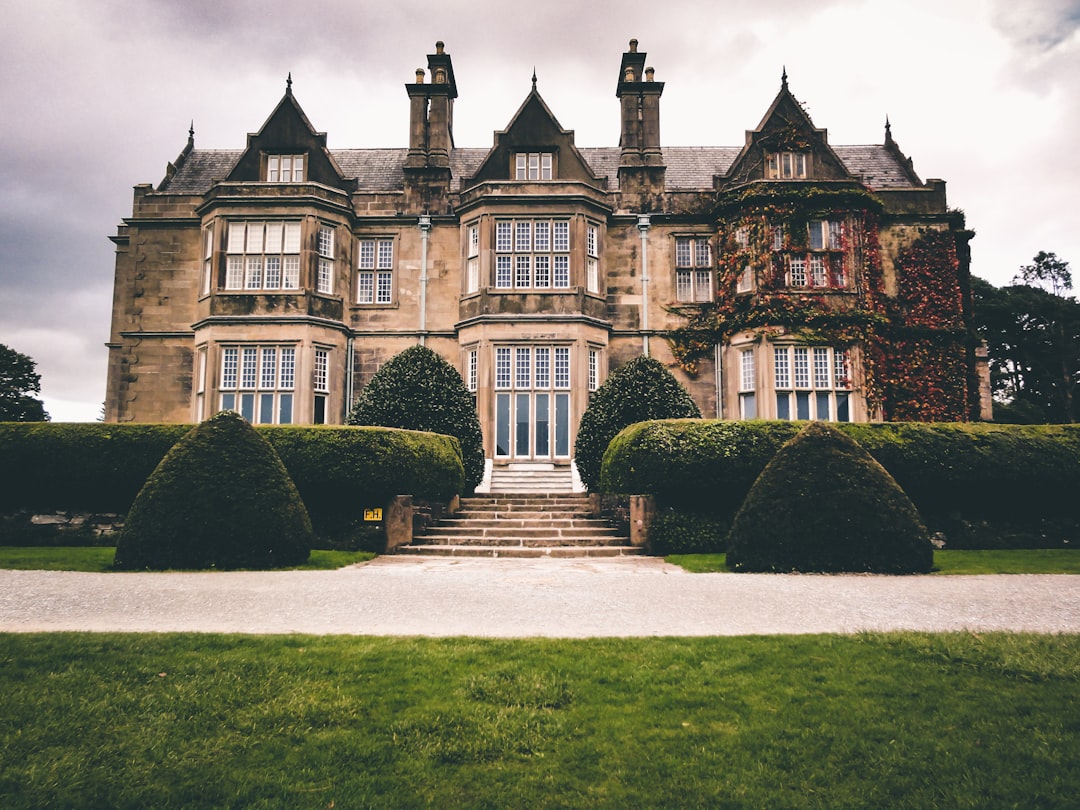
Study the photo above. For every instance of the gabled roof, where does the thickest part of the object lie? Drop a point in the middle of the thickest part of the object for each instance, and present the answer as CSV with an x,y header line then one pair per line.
x,y
534,128
786,126
288,131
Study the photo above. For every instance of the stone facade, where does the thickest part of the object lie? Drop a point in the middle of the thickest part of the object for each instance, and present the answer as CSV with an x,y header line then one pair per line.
x,y
275,279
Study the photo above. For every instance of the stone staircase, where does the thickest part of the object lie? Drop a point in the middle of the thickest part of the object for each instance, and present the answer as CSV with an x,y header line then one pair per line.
x,y
522,524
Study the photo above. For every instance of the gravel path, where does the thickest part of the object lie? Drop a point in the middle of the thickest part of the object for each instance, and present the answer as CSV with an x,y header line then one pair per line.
x,y
534,597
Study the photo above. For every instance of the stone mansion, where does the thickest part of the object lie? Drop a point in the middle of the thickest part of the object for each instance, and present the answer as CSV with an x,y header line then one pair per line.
x,y
781,278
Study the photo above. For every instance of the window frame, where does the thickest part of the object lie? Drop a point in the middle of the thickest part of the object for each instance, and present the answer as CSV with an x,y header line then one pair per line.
x,y
533,166
694,269
532,253
249,256
376,281
275,167
787,165
809,379
248,385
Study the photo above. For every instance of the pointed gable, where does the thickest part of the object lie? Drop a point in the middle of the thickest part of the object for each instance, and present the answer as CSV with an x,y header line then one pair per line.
x,y
786,146
534,130
288,132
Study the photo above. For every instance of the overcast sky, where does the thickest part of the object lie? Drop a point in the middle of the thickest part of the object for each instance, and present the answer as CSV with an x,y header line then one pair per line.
x,y
98,96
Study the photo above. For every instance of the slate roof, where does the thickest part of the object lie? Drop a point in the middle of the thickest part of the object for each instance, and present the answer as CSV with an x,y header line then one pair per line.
x,y
689,168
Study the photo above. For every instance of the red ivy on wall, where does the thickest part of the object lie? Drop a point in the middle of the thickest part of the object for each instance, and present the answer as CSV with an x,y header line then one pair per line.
x,y
914,355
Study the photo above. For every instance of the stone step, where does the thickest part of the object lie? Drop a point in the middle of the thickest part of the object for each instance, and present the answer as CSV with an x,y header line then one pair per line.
x,y
582,513
525,542
521,551
540,522
556,536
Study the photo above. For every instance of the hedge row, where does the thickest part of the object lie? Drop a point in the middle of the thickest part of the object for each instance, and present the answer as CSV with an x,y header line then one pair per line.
x,y
955,473
338,470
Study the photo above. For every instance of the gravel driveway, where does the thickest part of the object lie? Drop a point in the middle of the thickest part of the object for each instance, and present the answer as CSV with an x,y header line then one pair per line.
x,y
531,597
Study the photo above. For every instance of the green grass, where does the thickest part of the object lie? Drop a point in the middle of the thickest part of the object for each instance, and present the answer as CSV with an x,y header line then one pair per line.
x,y
899,720
946,561
100,558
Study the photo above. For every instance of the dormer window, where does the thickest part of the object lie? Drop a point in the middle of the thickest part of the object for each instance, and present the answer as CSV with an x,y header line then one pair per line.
x,y
533,165
786,166
284,168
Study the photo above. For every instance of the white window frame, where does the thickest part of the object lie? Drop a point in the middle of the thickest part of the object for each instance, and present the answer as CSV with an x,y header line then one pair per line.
x,y
263,255
472,258
532,253
812,383
534,166
259,382
375,270
285,168
324,282
748,408
693,269
787,165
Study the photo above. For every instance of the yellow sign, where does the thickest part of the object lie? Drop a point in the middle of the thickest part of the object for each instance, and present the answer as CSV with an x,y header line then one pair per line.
x,y
373,514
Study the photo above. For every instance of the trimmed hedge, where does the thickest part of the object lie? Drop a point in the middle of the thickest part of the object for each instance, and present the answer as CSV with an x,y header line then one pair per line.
x,y
640,389
418,390
823,504
972,481
99,467
221,498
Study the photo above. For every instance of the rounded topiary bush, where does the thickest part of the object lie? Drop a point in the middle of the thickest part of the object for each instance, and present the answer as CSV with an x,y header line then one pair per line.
x,y
418,390
824,504
638,390
221,498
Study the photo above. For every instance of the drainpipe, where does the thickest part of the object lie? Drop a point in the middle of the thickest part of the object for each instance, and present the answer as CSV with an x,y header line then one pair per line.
x,y
643,228
719,381
425,230
350,379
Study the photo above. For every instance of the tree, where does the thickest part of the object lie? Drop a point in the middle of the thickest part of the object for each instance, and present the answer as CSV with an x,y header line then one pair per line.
x,y
1047,269
639,390
1033,336
418,390
18,380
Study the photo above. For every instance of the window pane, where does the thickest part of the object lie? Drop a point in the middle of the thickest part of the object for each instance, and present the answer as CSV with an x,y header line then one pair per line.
x,y
326,242
524,272
288,368
542,237
502,271
268,371
561,236
273,272
702,257
523,368
291,277
543,367
822,406
247,406
821,368
367,254
523,240
748,406
562,425
543,271
365,287
782,368
562,367
273,237
254,243
817,241
228,402
682,251
502,368
266,409
802,405
843,408
502,236
798,271
234,273
542,425
702,285
802,368
684,286
384,294
253,277
236,238
386,254
783,406
320,410
747,375
229,365
292,238
562,272
248,365
502,422
521,425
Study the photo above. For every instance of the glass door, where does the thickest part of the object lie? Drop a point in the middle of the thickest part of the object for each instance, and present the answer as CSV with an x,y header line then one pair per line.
x,y
532,402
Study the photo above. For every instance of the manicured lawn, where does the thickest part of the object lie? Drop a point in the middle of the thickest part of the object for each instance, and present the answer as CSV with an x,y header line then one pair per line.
x,y
196,721
100,558
1010,561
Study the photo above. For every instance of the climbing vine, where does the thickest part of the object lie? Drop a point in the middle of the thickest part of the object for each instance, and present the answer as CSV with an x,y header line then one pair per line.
x,y
914,365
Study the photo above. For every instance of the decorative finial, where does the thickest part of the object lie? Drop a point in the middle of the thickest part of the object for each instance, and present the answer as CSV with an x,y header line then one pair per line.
x,y
191,133
888,130
783,79
534,77
288,84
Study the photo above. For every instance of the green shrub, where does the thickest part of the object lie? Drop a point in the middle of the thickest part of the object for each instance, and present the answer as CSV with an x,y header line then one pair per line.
x,y
824,504
340,471
221,498
90,467
418,390
638,390
676,532
982,485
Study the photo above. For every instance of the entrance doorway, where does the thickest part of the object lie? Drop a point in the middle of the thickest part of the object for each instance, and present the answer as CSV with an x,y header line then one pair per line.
x,y
532,402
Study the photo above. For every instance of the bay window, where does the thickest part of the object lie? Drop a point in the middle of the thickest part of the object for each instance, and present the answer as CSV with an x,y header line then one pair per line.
x,y
812,382
263,256
258,383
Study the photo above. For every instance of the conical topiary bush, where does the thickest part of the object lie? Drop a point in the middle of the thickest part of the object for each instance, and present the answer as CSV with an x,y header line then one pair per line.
x,y
824,504
638,390
418,390
221,498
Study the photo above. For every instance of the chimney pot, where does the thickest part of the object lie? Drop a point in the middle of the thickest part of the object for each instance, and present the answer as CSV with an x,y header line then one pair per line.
x,y
649,72
633,46
419,75
439,47
629,76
